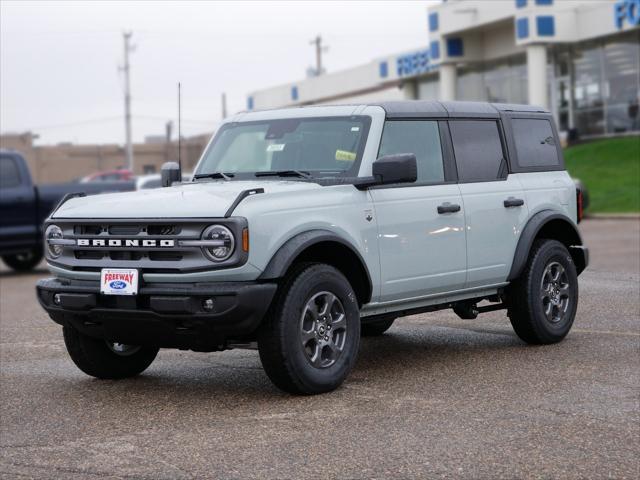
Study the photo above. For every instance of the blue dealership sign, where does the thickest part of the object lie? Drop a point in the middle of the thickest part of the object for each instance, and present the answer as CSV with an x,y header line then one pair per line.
x,y
414,63
626,11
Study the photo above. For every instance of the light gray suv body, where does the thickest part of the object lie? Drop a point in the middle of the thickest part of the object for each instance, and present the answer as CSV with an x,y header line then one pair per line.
x,y
303,228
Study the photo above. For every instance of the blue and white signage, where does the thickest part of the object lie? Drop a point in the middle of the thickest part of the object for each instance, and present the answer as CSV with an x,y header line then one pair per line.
x,y
626,11
414,63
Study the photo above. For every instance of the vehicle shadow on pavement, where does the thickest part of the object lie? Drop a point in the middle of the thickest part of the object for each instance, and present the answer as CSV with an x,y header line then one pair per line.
x,y
190,378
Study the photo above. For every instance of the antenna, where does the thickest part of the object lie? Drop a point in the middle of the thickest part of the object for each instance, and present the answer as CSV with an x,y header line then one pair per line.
x,y
179,132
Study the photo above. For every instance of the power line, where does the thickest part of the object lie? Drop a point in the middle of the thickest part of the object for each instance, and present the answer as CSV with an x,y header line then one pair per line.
x,y
77,123
92,121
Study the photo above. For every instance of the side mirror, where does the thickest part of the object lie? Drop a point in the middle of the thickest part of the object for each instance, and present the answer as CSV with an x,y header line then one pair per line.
x,y
170,173
398,168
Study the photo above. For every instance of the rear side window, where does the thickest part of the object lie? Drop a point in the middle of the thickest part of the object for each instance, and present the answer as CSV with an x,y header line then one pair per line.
x,y
535,143
478,150
9,174
420,137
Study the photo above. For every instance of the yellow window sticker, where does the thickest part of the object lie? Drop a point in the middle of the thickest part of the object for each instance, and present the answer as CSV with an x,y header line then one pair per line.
x,y
345,156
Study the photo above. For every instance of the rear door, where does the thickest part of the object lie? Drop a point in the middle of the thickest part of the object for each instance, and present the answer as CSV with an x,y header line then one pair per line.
x,y
422,250
17,205
494,201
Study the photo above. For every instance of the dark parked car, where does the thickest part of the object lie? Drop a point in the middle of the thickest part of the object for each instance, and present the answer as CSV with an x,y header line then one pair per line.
x,y
24,206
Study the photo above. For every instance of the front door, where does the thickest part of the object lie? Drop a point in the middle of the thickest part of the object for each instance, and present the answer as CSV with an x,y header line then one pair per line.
x,y
421,231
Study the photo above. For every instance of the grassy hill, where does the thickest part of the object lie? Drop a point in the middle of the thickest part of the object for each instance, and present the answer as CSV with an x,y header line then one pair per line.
x,y
610,169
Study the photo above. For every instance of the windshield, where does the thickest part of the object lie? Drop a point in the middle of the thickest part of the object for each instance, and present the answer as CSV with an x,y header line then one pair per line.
x,y
319,147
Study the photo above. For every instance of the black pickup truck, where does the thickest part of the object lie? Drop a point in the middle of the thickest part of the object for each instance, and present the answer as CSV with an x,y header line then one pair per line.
x,y
24,206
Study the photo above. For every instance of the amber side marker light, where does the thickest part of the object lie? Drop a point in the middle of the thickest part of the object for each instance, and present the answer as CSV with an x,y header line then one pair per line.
x,y
245,239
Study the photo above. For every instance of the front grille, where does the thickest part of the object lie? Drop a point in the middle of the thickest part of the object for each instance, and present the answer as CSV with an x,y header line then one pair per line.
x,y
163,229
152,246
125,255
165,256
149,258
88,254
87,229
124,229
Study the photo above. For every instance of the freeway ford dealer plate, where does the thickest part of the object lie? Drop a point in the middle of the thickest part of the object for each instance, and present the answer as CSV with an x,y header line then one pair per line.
x,y
119,281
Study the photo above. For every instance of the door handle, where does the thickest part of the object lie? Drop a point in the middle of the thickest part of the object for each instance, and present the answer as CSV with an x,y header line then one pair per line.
x,y
448,208
513,202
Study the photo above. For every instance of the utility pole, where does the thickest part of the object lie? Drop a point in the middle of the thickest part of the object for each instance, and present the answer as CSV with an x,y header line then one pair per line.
x,y
224,105
320,49
128,48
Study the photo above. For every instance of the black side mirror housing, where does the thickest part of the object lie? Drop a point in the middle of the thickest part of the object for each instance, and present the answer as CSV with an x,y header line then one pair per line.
x,y
398,168
170,173
389,169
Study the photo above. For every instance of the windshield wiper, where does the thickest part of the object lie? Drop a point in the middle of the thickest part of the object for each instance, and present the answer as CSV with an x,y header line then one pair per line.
x,y
284,173
225,176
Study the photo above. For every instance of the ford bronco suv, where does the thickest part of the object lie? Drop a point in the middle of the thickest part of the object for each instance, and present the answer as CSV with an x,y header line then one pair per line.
x,y
305,228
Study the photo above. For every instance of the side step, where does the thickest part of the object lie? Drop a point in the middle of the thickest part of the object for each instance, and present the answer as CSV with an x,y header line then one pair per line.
x,y
470,311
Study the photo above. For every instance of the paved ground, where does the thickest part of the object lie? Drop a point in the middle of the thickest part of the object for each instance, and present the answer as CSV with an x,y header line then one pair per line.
x,y
436,397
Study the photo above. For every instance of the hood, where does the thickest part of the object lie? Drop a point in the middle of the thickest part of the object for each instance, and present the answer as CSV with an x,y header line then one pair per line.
x,y
191,200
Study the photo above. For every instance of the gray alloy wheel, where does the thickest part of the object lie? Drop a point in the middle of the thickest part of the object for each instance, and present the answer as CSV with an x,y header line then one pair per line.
x,y
323,329
121,349
555,292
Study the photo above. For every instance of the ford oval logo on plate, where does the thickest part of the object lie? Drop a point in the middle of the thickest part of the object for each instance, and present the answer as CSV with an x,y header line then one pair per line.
x,y
119,281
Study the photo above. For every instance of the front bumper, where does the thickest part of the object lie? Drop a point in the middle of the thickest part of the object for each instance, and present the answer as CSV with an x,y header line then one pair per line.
x,y
163,315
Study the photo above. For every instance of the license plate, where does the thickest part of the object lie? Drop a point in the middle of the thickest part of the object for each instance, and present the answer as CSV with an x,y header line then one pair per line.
x,y
119,281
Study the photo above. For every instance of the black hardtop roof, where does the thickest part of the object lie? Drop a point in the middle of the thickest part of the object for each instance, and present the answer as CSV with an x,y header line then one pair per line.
x,y
432,108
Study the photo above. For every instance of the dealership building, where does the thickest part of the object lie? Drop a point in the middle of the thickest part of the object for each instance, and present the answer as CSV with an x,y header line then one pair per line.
x,y
578,58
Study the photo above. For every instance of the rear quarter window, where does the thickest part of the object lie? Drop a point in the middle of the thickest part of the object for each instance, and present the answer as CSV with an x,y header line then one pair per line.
x,y
9,173
535,143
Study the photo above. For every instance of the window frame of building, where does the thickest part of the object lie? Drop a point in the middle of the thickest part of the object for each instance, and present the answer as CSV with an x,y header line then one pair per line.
x,y
593,115
514,164
503,146
446,147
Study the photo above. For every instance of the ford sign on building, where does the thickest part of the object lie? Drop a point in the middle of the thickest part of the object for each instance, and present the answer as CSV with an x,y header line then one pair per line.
x,y
579,58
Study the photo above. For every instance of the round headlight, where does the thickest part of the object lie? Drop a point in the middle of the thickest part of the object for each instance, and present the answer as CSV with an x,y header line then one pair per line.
x,y
53,232
222,241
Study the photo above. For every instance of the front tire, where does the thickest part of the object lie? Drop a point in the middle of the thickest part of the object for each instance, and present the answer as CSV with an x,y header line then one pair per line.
x,y
25,261
543,301
106,360
309,341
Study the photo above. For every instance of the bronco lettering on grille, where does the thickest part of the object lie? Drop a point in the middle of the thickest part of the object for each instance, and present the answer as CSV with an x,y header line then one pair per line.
x,y
124,242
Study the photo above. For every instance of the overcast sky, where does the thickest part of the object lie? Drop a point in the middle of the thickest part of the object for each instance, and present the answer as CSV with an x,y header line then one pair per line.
x,y
59,61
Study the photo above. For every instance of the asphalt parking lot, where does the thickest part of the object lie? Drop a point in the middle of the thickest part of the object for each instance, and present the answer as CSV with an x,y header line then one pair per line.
x,y
435,397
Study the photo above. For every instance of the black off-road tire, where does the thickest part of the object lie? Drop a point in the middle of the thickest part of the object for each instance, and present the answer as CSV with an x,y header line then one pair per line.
x,y
23,262
94,357
534,316
284,350
377,327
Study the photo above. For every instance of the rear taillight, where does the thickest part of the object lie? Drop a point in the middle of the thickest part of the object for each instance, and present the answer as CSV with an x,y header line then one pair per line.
x,y
580,205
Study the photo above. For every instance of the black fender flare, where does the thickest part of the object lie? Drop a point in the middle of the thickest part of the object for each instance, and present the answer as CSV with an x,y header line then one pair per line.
x,y
529,233
289,251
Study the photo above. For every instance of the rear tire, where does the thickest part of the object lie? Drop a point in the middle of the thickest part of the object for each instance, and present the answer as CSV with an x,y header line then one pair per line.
x,y
377,327
543,301
106,360
25,261
309,341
